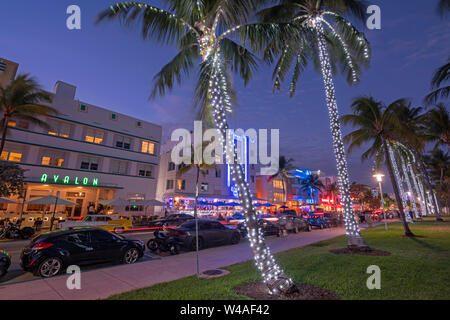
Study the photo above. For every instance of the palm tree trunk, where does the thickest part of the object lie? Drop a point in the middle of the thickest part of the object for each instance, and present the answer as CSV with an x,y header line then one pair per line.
x,y
398,198
284,190
416,188
429,186
411,191
275,279
355,239
196,222
441,182
4,130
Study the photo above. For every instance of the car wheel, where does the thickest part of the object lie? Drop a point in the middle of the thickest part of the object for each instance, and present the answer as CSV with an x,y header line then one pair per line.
x,y
193,245
308,227
152,245
235,238
119,230
296,230
131,256
174,249
50,267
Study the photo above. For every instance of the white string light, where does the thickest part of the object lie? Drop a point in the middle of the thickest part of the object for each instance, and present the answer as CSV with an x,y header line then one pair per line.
x,y
273,276
352,228
399,183
410,189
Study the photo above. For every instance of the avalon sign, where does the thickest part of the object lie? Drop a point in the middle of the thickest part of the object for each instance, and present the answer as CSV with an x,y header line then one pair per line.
x,y
58,179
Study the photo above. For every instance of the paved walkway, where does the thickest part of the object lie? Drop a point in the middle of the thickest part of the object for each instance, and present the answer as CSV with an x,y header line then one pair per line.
x,y
102,283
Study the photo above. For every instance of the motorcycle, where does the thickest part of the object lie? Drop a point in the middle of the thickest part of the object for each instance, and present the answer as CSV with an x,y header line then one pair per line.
x,y
13,231
163,243
5,262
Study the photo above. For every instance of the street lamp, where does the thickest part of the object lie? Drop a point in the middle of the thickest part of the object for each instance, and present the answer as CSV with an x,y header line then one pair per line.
x,y
379,178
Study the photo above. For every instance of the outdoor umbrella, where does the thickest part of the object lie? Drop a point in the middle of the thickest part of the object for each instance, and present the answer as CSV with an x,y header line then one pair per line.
x,y
258,205
284,207
120,203
149,203
3,200
268,205
52,200
204,203
233,204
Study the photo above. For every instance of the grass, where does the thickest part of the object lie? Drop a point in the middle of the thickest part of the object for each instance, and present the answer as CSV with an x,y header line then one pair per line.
x,y
418,268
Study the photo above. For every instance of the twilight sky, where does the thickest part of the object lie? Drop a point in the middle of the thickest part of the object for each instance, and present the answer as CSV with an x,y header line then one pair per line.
x,y
113,68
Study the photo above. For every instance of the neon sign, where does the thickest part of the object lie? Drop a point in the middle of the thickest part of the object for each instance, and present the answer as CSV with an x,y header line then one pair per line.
x,y
58,179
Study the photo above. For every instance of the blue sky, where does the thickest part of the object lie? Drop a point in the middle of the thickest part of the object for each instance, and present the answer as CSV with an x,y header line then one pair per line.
x,y
113,68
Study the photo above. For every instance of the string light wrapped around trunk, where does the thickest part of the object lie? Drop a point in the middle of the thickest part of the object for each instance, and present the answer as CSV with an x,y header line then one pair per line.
x,y
399,183
352,229
274,277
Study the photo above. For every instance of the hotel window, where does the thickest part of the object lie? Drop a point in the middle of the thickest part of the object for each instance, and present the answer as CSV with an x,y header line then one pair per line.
x,y
145,171
139,124
119,167
122,142
218,173
18,124
169,185
278,184
171,166
252,179
148,147
58,128
278,197
50,158
94,136
14,156
83,108
89,163
204,187
113,116
181,184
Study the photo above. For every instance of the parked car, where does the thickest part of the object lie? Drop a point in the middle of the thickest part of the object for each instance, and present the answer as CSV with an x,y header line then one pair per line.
x,y
270,228
106,222
210,233
172,220
236,218
318,221
50,253
294,224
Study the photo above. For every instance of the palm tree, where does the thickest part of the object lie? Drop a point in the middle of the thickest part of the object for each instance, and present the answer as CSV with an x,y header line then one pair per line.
x,y
414,122
378,125
441,76
21,99
284,168
437,126
203,32
311,184
203,167
439,163
331,41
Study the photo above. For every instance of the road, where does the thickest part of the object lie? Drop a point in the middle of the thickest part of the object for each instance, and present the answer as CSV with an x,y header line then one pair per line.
x,y
102,281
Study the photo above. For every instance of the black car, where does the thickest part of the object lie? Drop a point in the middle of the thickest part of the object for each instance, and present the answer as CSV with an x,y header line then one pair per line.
x,y
294,224
50,253
269,228
210,233
171,221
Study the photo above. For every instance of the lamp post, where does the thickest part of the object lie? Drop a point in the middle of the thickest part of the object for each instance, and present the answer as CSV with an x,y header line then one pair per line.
x,y
379,178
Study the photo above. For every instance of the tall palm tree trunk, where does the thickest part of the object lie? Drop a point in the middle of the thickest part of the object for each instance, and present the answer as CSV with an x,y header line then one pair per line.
x,y
416,188
433,203
284,190
410,189
276,280
4,130
355,240
398,198
196,222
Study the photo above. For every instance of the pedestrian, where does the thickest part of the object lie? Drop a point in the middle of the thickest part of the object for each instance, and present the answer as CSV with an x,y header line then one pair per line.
x,y
91,208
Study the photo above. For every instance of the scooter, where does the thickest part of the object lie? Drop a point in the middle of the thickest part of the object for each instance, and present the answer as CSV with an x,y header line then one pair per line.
x,y
5,262
163,243
13,231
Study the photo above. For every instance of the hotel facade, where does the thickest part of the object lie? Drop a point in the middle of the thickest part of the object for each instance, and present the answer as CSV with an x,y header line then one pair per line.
x,y
90,156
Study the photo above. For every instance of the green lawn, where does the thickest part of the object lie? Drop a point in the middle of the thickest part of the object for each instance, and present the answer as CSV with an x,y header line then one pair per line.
x,y
418,268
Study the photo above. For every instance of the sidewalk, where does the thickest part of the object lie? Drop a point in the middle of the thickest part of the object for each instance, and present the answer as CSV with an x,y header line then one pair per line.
x,y
102,283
